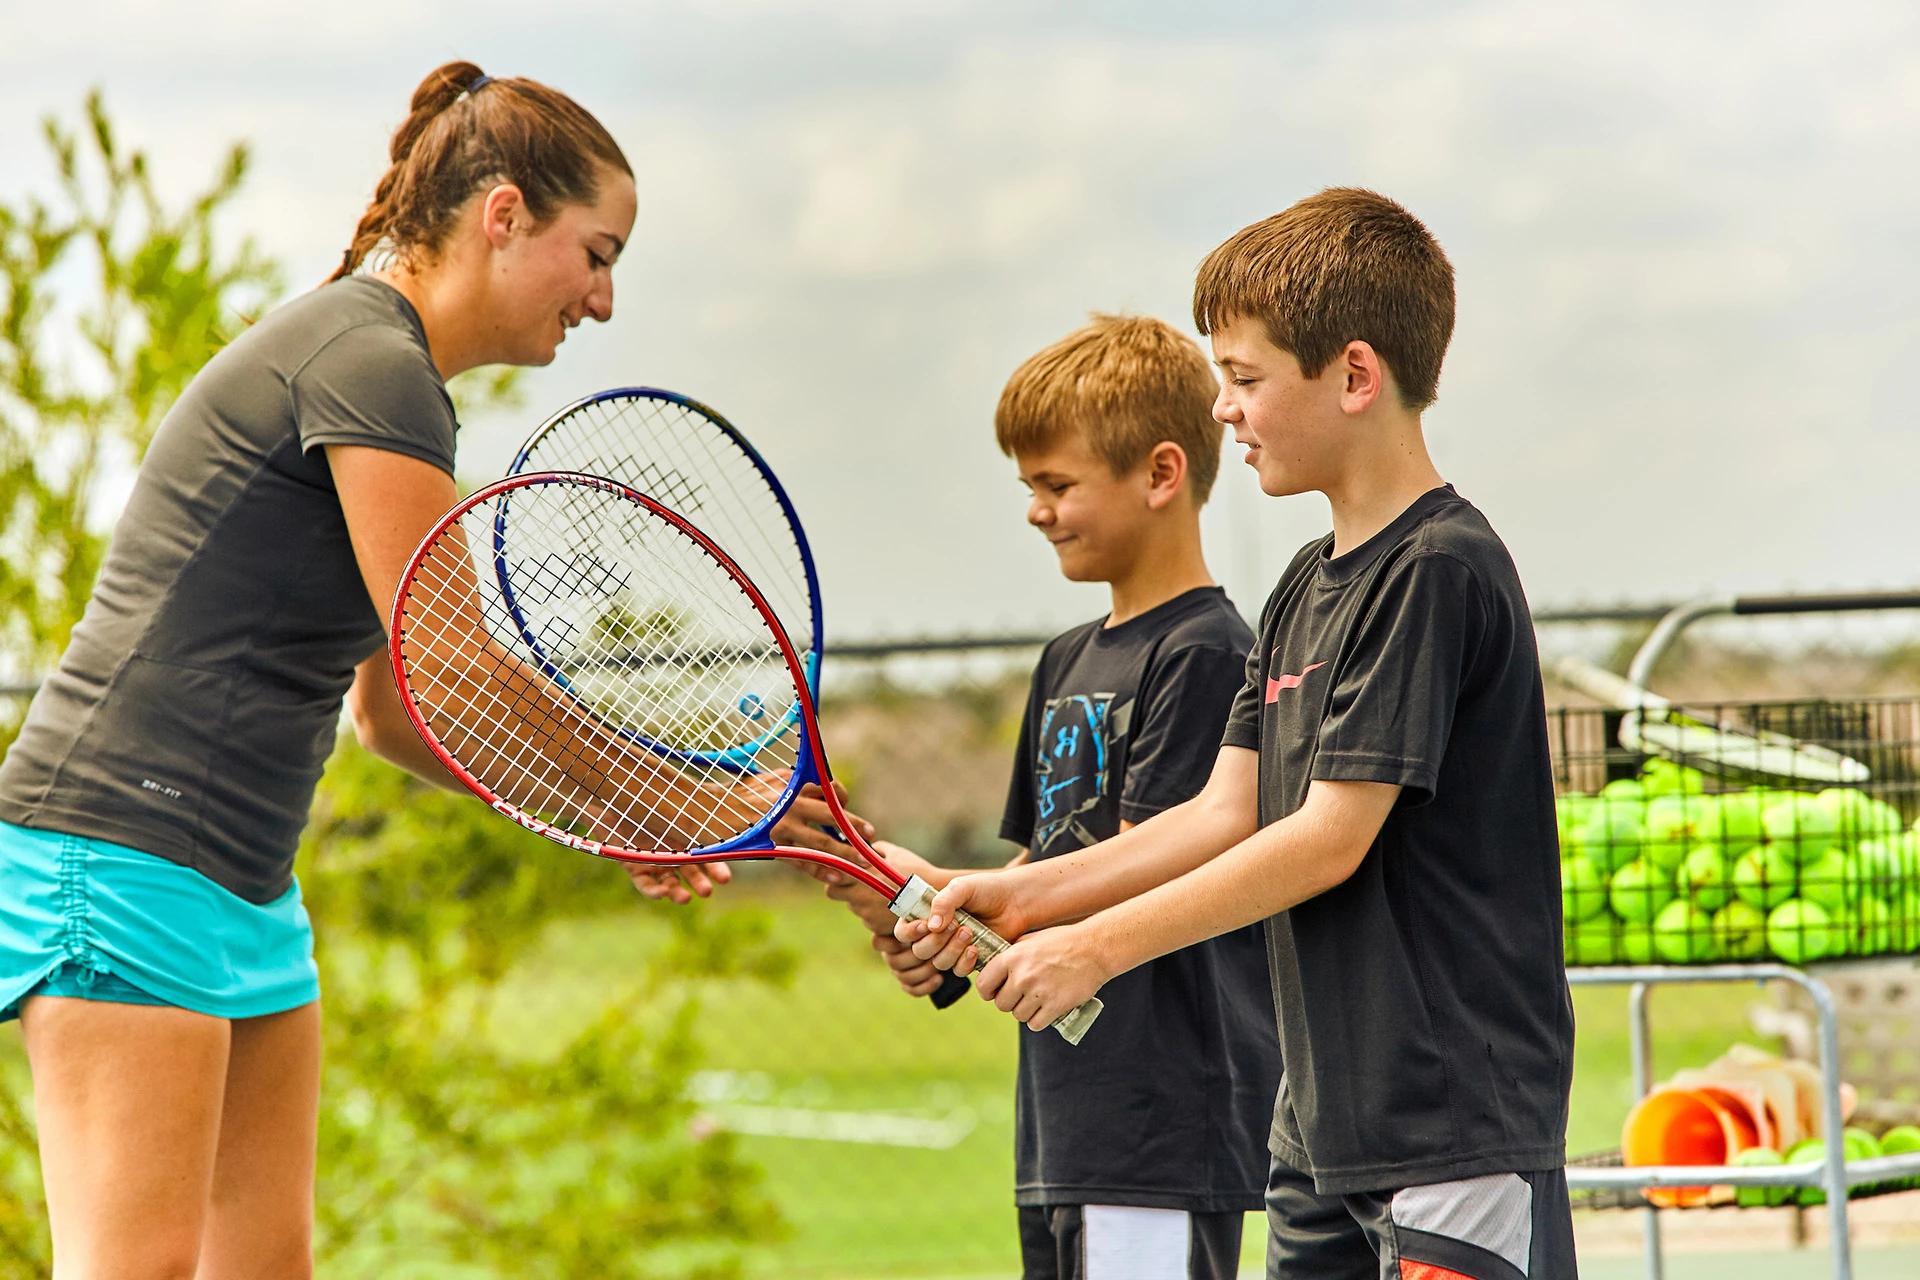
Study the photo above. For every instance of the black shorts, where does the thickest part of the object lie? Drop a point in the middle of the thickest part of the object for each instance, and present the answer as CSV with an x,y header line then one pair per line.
x,y
1097,1242
1500,1226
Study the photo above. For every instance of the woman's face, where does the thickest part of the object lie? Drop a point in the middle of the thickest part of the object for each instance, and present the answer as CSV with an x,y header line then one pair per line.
x,y
548,277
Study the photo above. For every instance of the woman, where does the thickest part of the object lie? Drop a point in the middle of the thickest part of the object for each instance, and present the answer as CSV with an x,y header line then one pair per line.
x,y
152,939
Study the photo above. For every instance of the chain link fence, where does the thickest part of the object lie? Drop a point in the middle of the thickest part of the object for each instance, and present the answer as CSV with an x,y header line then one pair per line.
x,y
878,1129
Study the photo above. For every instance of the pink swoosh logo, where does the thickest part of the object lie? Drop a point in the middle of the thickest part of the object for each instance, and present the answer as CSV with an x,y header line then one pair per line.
x,y
1276,683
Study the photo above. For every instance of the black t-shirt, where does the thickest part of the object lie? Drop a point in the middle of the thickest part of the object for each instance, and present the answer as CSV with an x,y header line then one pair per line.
x,y
1165,1103
1423,1006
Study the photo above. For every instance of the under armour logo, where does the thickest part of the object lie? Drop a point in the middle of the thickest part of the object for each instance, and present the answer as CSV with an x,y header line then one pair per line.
x,y
1276,683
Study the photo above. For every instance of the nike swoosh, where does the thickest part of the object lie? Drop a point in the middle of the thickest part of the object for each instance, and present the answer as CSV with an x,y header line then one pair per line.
x,y
1276,683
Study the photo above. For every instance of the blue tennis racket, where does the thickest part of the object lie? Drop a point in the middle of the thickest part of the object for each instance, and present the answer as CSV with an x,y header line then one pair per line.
x,y
686,456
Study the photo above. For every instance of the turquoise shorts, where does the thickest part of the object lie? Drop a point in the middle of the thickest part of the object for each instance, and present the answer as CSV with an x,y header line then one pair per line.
x,y
99,921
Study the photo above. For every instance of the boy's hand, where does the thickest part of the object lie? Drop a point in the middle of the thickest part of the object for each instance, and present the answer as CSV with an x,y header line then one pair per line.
x,y
1045,976
988,896
915,976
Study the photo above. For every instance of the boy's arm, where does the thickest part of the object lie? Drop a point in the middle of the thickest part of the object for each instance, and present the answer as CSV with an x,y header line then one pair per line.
x,y
1073,885
1283,864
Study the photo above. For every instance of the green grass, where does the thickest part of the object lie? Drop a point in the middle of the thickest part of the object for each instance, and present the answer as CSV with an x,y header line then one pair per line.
x,y
841,1038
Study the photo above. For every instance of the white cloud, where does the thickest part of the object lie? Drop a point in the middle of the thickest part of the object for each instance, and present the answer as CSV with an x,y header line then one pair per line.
x,y
1683,235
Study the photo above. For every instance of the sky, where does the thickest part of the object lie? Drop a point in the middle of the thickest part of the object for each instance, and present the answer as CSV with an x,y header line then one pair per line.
x,y
1684,234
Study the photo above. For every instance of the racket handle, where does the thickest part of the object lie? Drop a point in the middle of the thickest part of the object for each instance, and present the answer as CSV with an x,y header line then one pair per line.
x,y
952,987
915,901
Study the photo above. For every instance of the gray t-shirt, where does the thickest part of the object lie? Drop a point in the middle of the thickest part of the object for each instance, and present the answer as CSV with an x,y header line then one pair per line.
x,y
200,695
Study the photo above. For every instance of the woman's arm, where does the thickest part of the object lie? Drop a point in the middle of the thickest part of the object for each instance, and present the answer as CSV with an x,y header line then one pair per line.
x,y
391,502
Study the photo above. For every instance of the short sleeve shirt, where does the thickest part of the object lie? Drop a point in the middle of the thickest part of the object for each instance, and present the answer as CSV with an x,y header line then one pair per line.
x,y
200,694
1165,1103
1423,1008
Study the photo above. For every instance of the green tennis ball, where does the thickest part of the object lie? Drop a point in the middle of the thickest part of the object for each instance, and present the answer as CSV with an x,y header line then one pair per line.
x,y
1664,777
1812,1151
1591,943
1823,879
1799,931
1638,891
1905,907
1868,928
1583,891
1740,819
1742,929
1901,1140
1861,1145
1683,933
1569,812
1624,789
1800,822
1764,877
1859,814
1634,944
1846,805
1757,1197
1706,878
1875,868
1882,819
1675,824
1613,834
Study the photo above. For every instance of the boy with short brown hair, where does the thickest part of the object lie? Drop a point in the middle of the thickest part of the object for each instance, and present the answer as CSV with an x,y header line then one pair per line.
x,y
1382,797
1140,1150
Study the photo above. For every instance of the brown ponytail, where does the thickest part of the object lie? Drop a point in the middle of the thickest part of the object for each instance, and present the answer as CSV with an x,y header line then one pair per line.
x,y
467,132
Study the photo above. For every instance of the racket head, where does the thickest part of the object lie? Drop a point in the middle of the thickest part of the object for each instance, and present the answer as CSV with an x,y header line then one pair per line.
x,y
687,456
662,640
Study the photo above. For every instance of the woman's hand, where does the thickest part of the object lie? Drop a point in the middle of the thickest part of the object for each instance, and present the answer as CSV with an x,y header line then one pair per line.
x,y
679,884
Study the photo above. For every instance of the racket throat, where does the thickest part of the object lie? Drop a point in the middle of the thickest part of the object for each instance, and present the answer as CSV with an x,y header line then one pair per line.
x,y
914,901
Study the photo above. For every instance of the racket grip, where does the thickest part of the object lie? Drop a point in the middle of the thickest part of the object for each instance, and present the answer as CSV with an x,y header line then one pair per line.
x,y
952,987
915,901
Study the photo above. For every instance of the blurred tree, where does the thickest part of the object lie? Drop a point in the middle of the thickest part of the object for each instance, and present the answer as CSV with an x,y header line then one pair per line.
x,y
441,1139
152,300
446,1137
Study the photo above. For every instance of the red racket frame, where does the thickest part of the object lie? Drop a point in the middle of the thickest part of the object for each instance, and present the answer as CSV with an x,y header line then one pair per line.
x,y
809,724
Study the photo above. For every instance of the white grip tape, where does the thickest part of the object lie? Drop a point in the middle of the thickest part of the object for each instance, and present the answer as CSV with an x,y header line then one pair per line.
x,y
915,901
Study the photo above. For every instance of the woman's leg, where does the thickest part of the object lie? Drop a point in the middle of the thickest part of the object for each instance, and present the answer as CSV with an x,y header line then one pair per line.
x,y
128,1099
261,1222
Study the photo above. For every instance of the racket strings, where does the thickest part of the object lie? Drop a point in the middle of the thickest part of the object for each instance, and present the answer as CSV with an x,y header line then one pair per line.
x,y
657,635
681,458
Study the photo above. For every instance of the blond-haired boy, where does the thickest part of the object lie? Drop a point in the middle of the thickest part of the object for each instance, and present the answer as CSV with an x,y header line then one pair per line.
x,y
1382,797
1139,1151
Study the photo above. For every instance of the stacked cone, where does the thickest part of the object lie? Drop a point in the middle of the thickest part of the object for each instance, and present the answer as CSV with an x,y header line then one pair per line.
x,y
1747,1100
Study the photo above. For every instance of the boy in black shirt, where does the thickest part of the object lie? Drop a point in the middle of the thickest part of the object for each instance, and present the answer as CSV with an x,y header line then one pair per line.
x,y
1139,1151
1382,797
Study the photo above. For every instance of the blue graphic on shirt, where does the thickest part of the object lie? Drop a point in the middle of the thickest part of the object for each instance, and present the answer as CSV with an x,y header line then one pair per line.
x,y
1072,768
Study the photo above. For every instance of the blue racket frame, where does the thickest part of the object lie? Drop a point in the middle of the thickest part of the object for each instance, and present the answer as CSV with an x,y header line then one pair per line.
x,y
739,759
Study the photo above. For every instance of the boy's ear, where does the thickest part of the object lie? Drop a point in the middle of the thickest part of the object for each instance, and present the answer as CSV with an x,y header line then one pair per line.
x,y
1166,474
1363,374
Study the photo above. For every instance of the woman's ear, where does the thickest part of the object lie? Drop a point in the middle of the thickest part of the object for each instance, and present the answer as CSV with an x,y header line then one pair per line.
x,y
1166,474
503,211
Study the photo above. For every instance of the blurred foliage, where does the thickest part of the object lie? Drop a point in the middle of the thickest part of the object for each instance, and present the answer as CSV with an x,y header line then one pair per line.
x,y
442,1141
85,379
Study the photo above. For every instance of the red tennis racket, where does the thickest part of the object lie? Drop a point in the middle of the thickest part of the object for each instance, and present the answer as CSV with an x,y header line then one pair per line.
x,y
647,633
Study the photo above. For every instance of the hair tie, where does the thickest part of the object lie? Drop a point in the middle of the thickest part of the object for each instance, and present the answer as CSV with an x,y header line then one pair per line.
x,y
480,82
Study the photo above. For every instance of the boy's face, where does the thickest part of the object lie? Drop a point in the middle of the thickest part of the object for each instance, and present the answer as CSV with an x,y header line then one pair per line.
x,y
1094,519
1294,427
